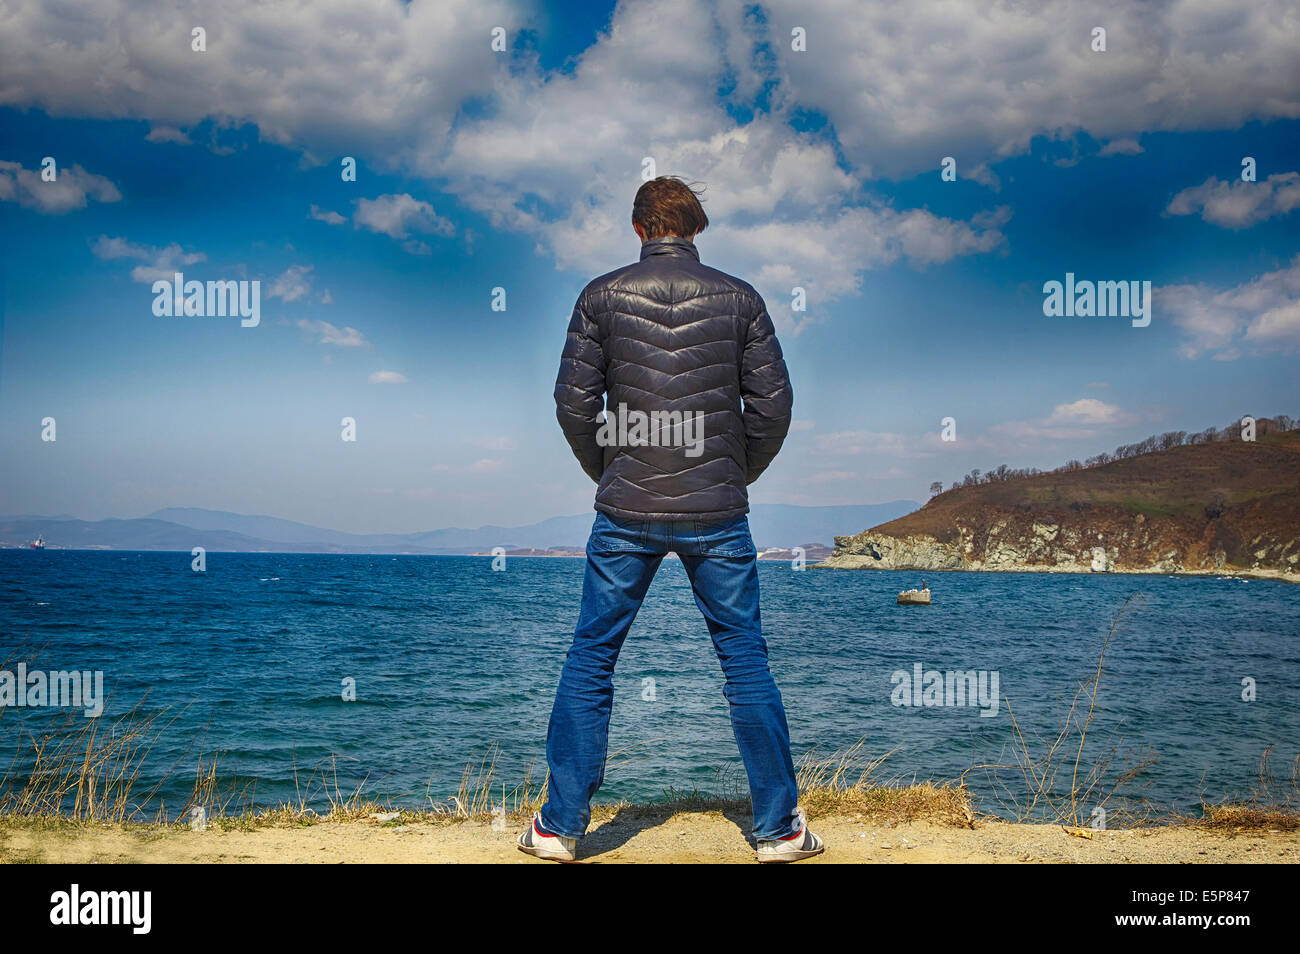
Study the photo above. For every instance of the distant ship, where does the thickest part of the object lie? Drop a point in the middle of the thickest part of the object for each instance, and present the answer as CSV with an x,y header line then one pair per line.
x,y
38,543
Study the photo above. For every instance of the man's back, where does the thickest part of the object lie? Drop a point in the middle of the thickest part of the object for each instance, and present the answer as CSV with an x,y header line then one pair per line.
x,y
697,402
695,388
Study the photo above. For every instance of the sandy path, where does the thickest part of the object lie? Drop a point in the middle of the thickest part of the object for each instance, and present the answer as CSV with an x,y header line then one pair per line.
x,y
685,837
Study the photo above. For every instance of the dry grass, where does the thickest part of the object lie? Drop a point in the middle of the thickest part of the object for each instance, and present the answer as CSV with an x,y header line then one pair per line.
x,y
1274,806
844,783
1246,817
1051,778
840,783
88,772
85,769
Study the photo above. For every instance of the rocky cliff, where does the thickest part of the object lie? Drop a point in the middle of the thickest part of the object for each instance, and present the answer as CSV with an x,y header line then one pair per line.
x,y
1230,507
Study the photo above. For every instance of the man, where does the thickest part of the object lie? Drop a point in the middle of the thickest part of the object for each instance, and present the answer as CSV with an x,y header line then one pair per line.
x,y
696,405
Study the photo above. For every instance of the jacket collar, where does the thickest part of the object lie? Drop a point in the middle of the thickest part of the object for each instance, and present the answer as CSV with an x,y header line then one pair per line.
x,y
669,245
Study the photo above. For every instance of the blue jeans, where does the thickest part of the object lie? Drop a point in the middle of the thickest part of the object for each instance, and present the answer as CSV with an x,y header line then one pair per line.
x,y
622,557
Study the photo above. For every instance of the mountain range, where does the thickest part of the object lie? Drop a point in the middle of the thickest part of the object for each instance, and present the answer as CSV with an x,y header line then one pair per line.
x,y
183,528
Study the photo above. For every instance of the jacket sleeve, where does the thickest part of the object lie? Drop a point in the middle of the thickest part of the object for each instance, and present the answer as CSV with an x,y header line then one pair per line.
x,y
766,392
580,389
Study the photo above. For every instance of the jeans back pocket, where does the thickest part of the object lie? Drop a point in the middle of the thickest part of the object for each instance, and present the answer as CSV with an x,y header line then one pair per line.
x,y
725,538
614,534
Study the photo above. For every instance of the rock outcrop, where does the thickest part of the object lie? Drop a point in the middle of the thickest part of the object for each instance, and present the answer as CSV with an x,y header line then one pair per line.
x,y
1219,508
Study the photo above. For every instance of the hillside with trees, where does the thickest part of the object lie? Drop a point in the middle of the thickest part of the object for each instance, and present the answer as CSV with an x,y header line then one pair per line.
x,y
1174,503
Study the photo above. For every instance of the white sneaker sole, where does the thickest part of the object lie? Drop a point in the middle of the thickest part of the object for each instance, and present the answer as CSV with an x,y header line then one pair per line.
x,y
546,854
787,856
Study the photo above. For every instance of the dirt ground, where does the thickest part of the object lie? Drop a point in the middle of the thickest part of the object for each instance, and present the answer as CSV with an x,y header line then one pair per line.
x,y
709,837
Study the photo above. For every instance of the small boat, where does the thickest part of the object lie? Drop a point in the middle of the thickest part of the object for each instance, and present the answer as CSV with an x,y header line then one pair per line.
x,y
914,597
38,543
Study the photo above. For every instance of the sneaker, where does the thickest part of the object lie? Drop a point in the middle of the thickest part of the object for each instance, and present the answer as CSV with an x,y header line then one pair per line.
x,y
551,847
802,844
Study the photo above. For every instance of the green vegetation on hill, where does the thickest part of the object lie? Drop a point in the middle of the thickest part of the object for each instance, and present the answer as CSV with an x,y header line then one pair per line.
x,y
1211,502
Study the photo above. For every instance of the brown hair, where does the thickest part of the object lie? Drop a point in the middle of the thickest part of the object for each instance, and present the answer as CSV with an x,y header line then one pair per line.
x,y
668,206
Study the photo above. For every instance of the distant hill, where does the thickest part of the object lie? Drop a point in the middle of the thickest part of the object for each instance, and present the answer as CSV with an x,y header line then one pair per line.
x,y
1219,506
177,528
269,529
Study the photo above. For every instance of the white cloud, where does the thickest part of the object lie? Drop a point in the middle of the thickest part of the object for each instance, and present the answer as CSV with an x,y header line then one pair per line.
x,y
1264,311
160,264
487,466
777,197
329,334
1280,322
902,84
1239,204
1208,324
107,248
905,84
828,255
1122,147
72,188
168,134
1085,412
398,215
325,215
387,377
329,76
1077,420
985,176
292,285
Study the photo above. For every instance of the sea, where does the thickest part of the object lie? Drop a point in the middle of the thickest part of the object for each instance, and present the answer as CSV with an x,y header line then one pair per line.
x,y
311,676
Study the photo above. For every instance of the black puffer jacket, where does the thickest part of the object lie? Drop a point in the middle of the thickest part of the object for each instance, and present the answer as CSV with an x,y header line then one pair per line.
x,y
669,334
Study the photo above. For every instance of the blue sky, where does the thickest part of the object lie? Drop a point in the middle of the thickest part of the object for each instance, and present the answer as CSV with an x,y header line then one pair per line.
x,y
479,169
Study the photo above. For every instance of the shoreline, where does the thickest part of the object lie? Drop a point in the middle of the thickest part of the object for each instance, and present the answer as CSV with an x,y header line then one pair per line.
x,y
841,562
630,836
1278,576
